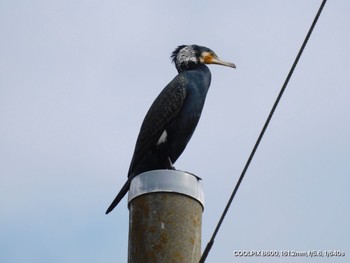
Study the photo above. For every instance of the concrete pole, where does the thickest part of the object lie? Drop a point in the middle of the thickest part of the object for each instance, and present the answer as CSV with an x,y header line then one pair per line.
x,y
165,217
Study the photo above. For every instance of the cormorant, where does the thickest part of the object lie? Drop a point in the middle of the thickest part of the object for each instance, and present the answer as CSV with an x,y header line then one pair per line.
x,y
173,116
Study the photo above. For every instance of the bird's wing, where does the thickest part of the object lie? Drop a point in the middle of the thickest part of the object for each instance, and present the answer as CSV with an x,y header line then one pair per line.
x,y
164,109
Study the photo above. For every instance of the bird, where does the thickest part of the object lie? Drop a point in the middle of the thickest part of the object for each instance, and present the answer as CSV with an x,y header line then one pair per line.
x,y
173,116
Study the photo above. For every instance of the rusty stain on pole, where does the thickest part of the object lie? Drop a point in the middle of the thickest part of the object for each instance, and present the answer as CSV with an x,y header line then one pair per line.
x,y
165,217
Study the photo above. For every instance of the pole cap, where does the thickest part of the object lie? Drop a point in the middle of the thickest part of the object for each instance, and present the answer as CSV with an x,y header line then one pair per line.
x,y
173,181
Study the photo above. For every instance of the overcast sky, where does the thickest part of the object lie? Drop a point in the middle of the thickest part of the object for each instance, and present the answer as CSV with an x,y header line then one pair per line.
x,y
77,77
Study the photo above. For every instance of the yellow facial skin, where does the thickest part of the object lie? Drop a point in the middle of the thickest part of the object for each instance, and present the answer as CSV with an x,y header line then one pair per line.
x,y
212,58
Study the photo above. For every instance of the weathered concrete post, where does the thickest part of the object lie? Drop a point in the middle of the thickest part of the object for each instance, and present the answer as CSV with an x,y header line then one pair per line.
x,y
165,219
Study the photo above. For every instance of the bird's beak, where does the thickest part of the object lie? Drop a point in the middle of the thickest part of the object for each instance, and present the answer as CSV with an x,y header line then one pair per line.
x,y
210,58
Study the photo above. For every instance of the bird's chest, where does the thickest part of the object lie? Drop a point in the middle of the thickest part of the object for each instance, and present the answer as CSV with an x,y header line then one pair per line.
x,y
185,123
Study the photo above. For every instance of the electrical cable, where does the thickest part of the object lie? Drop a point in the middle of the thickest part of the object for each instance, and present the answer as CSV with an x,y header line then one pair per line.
x,y
211,242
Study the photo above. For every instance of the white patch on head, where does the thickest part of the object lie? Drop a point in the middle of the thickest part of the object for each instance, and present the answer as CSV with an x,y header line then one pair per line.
x,y
162,138
186,55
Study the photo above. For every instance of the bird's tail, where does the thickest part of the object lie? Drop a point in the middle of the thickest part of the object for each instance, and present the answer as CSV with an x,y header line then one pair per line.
x,y
120,195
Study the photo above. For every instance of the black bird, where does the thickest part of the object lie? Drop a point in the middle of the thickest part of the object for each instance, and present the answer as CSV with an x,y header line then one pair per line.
x,y
173,116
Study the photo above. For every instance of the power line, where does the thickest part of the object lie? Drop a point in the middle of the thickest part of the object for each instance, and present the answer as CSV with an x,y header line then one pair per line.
x,y
211,242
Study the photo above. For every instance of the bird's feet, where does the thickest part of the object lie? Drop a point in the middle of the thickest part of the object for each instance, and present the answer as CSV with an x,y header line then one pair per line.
x,y
171,167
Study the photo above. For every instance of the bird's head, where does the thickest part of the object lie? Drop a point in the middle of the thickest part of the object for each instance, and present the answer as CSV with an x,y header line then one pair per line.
x,y
187,57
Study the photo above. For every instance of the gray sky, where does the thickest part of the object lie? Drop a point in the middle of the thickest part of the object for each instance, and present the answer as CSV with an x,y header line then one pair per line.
x,y
77,77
